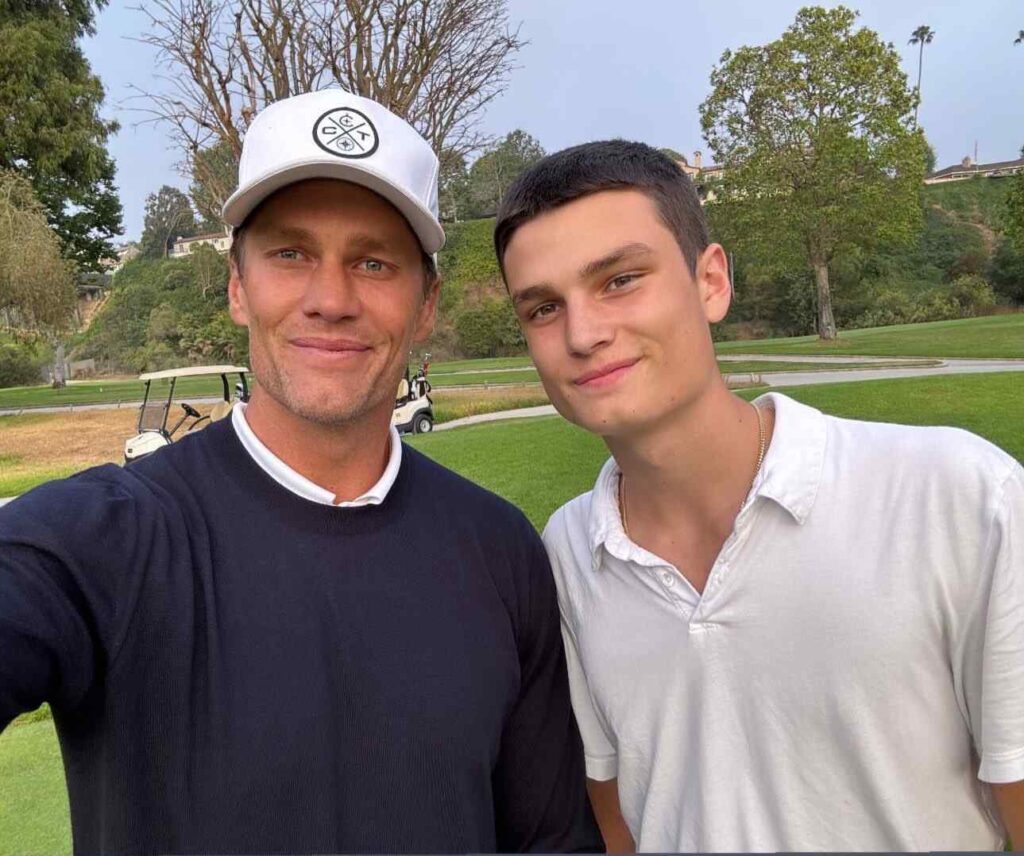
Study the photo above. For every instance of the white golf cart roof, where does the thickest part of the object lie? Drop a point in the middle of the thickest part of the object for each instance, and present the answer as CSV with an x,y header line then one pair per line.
x,y
193,371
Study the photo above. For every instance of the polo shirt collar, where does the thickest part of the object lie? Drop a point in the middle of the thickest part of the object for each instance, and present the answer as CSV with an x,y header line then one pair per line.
x,y
297,483
790,476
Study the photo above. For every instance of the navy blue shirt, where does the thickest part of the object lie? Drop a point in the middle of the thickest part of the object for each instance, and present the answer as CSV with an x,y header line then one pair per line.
x,y
235,669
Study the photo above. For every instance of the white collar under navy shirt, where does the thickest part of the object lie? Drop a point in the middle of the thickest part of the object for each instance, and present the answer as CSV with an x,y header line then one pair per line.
x,y
297,483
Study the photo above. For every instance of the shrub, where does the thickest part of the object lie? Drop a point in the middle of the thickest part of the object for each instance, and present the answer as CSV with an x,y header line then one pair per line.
x,y
20,365
489,331
972,294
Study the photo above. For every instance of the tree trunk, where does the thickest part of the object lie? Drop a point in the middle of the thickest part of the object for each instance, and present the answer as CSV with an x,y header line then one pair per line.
x,y
826,323
59,378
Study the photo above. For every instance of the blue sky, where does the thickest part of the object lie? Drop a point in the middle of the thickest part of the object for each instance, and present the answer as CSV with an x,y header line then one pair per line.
x,y
639,69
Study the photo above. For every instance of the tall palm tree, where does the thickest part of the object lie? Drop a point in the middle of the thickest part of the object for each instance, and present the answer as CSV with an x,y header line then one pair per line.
x,y
922,36
1020,38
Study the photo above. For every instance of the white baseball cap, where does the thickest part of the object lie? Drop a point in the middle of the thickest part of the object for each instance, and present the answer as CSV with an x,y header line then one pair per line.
x,y
335,134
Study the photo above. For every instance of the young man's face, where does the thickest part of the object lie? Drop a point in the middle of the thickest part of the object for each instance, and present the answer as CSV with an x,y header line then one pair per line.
x,y
331,287
615,322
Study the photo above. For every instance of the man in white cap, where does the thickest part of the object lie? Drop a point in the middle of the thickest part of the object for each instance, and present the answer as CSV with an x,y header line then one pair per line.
x,y
241,650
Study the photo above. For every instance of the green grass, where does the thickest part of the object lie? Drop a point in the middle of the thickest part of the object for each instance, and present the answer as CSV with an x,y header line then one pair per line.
x,y
537,464
107,392
34,817
990,337
486,364
14,485
477,378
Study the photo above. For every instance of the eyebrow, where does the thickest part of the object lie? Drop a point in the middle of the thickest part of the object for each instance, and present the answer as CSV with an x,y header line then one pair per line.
x,y
611,259
545,291
542,291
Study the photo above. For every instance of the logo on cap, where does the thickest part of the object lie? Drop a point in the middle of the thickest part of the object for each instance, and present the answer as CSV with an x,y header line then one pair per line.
x,y
346,133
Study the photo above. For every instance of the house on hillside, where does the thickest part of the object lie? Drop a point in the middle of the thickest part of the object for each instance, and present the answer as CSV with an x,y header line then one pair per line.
x,y
968,169
185,246
699,174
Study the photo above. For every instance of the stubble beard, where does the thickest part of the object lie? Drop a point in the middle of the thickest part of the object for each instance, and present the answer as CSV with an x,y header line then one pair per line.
x,y
324,405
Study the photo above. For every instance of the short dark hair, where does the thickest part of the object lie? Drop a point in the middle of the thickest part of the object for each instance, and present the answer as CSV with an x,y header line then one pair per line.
x,y
236,254
579,171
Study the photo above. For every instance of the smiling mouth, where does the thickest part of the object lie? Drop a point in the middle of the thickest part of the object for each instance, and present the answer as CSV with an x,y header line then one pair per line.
x,y
605,375
341,347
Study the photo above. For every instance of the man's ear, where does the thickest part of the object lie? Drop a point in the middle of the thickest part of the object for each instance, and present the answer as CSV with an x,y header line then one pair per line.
x,y
428,312
714,283
237,304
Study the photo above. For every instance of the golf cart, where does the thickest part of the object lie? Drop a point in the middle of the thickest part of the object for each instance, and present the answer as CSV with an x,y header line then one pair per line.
x,y
154,416
414,408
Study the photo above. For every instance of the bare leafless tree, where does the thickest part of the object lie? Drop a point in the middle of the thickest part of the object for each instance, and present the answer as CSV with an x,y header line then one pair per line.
x,y
437,63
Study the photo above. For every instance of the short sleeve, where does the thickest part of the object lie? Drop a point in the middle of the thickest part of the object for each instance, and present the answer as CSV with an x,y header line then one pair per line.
x,y
599,751
995,646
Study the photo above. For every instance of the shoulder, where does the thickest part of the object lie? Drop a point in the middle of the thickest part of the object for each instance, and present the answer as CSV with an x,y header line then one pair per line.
x,y
455,495
932,456
567,538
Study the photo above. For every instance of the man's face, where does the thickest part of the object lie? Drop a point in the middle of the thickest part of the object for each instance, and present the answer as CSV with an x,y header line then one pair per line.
x,y
331,289
615,322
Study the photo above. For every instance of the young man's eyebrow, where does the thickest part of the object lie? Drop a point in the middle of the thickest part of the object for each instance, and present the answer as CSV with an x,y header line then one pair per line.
x,y
540,291
613,258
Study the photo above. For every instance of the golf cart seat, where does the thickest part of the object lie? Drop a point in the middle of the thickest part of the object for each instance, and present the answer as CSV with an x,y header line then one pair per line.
x,y
403,389
220,410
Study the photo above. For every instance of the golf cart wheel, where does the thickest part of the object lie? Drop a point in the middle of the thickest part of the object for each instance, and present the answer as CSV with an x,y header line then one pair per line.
x,y
423,424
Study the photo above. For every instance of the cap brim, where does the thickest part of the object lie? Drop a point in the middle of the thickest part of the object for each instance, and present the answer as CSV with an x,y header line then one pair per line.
x,y
242,203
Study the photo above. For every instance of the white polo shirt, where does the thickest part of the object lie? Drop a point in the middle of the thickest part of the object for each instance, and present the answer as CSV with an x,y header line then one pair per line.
x,y
852,674
297,483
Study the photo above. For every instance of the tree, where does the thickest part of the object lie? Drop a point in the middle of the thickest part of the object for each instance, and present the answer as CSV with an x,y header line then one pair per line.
x,y
929,158
453,187
500,165
169,215
437,63
52,131
37,285
922,36
1015,211
214,179
814,133
1020,38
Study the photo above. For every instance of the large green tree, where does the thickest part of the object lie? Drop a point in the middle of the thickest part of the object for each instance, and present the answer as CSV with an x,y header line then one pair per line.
x,y
52,131
169,215
496,169
815,133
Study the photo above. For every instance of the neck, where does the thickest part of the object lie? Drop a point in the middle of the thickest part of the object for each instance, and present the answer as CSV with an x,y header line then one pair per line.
x,y
346,459
695,468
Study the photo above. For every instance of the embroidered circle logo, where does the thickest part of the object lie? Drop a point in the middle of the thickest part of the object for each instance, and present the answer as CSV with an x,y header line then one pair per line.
x,y
346,133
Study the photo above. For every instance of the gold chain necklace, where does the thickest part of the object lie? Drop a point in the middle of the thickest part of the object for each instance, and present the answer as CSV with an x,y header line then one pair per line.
x,y
761,445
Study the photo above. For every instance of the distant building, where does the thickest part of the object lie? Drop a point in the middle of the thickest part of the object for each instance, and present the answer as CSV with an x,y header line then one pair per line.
x,y
185,246
125,253
700,174
968,169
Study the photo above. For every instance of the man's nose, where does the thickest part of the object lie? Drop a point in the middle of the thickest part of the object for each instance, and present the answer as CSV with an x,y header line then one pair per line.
x,y
331,292
586,327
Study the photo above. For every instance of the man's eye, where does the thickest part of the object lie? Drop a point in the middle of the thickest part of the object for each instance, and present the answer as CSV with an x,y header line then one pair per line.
x,y
543,311
288,254
622,280
373,266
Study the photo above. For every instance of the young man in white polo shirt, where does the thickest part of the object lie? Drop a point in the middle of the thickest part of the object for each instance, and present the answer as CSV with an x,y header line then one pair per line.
x,y
785,631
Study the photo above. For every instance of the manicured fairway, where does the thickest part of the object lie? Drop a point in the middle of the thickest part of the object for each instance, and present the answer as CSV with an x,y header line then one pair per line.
x,y
33,801
995,336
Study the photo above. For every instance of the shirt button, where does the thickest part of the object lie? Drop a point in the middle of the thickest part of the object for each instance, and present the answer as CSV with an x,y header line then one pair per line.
x,y
668,578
